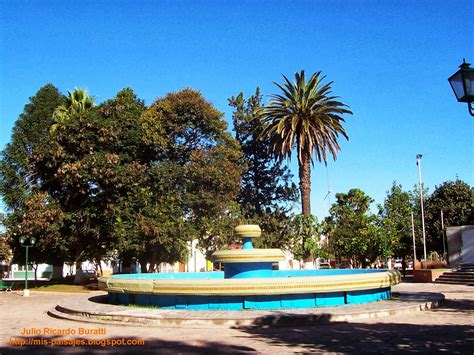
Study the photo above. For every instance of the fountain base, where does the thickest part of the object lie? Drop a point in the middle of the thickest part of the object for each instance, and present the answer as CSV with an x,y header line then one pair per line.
x,y
252,302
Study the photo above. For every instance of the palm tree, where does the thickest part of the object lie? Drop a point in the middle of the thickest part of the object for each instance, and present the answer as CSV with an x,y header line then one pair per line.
x,y
306,116
78,101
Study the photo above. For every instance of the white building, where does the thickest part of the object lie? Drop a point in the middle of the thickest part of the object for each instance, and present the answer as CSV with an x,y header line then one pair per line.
x,y
196,262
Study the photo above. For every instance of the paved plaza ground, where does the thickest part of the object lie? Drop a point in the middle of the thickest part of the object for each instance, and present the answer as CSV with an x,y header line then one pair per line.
x,y
449,328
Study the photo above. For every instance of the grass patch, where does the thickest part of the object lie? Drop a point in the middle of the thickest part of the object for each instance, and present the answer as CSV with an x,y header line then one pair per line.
x,y
395,296
64,288
141,306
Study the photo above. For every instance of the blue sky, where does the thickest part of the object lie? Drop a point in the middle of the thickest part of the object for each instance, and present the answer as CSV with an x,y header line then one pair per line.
x,y
389,61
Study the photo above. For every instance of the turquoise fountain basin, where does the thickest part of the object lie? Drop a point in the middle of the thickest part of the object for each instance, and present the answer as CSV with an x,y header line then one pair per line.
x,y
249,283
274,289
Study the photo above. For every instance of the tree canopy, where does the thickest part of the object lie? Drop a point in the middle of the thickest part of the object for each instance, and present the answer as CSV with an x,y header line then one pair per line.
x,y
31,131
124,180
30,212
353,230
395,214
304,116
266,184
267,191
456,200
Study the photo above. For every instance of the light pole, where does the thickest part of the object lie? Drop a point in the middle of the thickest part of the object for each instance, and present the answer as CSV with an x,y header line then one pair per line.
x,y
443,236
325,203
418,162
325,211
414,243
31,243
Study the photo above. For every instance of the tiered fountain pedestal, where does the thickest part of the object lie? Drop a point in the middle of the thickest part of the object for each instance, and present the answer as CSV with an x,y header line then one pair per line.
x,y
248,262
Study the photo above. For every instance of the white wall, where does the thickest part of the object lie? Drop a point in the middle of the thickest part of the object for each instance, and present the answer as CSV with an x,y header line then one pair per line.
x,y
460,245
467,250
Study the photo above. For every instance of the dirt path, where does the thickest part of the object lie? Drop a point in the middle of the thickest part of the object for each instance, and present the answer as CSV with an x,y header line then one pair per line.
x,y
446,329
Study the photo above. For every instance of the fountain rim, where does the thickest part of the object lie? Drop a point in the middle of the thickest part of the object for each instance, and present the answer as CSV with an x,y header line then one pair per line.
x,y
248,231
252,286
248,255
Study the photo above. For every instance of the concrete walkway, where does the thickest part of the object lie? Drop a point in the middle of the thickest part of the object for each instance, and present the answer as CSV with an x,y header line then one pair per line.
x,y
448,328
96,310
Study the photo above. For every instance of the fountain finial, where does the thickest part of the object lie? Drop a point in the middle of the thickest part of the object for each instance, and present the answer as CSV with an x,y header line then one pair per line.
x,y
247,232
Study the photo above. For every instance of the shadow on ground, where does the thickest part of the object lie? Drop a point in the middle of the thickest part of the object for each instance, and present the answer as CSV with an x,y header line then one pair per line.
x,y
359,337
378,337
369,337
104,299
104,346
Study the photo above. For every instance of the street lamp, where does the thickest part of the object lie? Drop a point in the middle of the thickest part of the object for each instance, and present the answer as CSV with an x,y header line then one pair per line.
x,y
414,243
326,211
325,203
31,243
418,162
462,83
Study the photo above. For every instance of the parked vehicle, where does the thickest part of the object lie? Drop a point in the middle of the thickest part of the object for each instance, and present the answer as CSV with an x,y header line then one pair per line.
x,y
88,275
398,264
343,266
324,265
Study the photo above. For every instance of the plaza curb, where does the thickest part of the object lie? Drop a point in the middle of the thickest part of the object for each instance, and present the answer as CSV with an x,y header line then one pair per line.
x,y
90,310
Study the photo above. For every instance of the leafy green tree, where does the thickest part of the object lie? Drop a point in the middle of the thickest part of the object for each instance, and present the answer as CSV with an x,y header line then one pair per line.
x,y
395,214
305,234
456,200
5,249
78,102
42,219
276,230
86,168
304,116
266,192
205,163
218,233
352,230
266,184
19,182
29,133
123,179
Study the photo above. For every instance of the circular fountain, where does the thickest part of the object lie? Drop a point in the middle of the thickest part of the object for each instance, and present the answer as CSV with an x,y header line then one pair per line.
x,y
249,282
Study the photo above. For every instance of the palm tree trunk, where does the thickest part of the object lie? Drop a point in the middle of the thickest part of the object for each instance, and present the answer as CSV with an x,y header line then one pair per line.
x,y
305,182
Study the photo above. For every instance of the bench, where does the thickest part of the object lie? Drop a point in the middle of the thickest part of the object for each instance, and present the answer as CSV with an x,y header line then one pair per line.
x,y
7,286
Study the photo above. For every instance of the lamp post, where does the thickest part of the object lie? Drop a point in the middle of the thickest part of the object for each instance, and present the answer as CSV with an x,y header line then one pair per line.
x,y
326,211
414,243
418,162
325,203
443,236
31,243
462,83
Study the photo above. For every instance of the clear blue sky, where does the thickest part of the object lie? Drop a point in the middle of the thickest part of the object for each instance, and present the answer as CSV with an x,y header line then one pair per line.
x,y
389,61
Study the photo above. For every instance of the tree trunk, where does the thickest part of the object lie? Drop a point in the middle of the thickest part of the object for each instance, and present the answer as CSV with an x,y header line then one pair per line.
x,y
304,166
57,271
35,267
305,189
100,268
143,265
79,275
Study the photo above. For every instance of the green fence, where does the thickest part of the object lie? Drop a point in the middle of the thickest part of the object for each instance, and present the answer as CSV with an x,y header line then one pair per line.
x,y
31,275
21,275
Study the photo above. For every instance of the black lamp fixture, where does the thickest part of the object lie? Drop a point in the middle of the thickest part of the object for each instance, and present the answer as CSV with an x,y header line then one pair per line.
x,y
462,83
